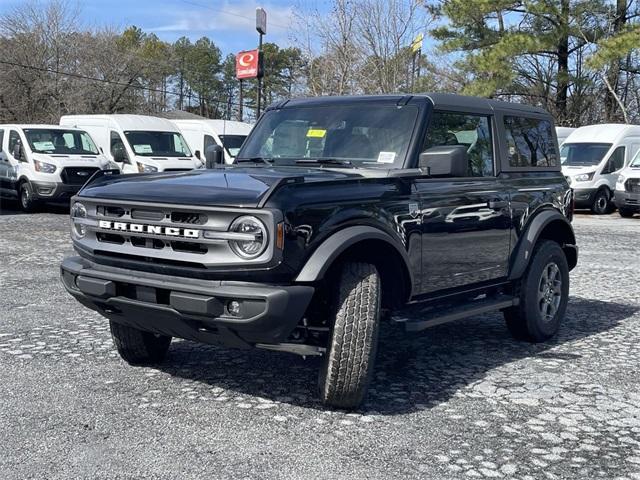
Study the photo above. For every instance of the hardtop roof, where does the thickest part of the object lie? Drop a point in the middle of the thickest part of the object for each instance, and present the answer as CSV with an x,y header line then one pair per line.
x,y
438,100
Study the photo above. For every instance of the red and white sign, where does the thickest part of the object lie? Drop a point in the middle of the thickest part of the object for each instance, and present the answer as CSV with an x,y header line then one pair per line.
x,y
247,64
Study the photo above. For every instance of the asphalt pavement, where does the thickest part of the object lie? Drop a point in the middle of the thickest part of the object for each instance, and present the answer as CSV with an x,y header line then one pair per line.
x,y
461,400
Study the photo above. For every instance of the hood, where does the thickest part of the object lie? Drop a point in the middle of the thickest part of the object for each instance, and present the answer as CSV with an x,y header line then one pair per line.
x,y
231,186
72,160
572,170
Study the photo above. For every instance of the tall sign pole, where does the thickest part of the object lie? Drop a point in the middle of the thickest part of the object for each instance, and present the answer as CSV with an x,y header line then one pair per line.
x,y
261,27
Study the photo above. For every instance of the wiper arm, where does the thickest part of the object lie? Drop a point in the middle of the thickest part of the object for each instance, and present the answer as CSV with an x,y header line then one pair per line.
x,y
252,160
327,161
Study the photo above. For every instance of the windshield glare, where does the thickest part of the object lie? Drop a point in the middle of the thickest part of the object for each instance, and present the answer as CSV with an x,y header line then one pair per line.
x,y
583,154
361,134
60,142
232,143
157,144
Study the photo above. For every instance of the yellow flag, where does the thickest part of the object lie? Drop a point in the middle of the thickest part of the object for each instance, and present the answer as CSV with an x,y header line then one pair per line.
x,y
417,43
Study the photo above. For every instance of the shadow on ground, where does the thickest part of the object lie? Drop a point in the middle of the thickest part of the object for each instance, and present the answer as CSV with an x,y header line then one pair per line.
x,y
413,372
9,207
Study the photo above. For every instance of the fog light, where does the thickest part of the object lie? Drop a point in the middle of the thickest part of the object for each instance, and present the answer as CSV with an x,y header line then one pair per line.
x,y
233,307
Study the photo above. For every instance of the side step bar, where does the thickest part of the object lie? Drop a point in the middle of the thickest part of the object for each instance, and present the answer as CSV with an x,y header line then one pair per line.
x,y
452,314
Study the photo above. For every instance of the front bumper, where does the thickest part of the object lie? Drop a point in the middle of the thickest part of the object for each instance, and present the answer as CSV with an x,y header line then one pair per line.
x,y
584,197
53,191
627,200
188,308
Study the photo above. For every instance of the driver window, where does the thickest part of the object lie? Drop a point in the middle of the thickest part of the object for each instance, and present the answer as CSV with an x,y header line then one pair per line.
x,y
616,161
118,150
14,138
471,131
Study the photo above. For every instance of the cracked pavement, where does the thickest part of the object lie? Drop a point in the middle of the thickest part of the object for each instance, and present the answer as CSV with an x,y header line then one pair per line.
x,y
461,400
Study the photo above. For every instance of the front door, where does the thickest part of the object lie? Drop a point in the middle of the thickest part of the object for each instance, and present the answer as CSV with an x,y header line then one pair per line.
x,y
466,221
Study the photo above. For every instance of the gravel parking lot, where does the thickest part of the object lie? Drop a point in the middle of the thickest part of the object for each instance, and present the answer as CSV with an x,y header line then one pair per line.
x,y
456,401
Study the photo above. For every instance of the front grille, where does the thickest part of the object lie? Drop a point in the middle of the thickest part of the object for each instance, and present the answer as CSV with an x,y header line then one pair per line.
x,y
632,185
189,217
77,175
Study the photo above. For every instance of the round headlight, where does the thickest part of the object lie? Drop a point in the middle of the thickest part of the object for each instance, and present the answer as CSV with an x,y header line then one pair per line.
x,y
257,237
78,210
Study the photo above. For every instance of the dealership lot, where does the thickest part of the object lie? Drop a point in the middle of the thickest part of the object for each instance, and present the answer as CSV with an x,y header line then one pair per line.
x,y
459,400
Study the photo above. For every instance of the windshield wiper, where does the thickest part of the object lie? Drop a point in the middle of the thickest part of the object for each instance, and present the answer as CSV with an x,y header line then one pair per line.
x,y
327,161
252,160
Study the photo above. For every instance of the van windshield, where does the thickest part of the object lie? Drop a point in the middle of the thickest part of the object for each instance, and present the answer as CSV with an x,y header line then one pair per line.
x,y
583,154
232,143
636,160
157,144
60,142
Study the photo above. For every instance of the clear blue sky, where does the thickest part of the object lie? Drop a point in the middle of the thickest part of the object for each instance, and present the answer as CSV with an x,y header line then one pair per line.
x,y
229,24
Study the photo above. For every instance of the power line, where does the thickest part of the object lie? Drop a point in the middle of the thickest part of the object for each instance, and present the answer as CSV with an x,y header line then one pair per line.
x,y
122,84
226,12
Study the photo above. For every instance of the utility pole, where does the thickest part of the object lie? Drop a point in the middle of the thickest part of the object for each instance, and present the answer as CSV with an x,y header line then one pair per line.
x,y
261,27
240,107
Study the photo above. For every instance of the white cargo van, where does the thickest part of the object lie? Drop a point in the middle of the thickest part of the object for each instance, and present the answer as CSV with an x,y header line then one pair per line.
x,y
46,163
627,196
204,133
562,133
592,158
138,143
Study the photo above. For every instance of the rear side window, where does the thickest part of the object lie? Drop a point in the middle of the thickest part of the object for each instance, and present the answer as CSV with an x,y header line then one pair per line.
x,y
530,142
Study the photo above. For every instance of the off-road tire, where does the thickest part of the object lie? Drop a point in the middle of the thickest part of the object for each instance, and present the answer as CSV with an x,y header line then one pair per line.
x,y
602,202
25,198
625,213
348,364
525,321
137,347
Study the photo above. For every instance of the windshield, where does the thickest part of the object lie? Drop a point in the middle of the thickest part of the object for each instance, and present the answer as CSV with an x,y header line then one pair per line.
x,y
60,142
583,154
636,160
157,144
362,134
232,143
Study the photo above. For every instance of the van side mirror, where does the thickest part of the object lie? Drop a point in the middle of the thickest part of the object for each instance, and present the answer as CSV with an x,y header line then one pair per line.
x,y
197,154
17,150
119,155
213,156
445,161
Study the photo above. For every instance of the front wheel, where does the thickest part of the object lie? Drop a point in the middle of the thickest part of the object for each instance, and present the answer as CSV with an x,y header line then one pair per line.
x,y
137,347
543,295
348,365
27,201
602,204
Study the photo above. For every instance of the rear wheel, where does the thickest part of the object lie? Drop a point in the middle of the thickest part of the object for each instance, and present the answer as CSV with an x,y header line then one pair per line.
x,y
602,202
543,294
625,212
27,201
348,365
137,347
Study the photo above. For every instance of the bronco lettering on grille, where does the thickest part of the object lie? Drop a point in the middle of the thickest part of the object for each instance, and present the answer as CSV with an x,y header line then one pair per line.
x,y
151,229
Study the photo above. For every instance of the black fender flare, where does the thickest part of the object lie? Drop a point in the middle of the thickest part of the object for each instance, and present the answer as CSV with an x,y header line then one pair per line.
x,y
521,256
322,258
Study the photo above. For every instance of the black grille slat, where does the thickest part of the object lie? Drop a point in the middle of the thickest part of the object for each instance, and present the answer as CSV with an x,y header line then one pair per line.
x,y
633,185
77,175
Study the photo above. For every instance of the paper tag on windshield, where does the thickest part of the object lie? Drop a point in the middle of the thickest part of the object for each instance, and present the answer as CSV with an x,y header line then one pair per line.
x,y
142,149
316,133
44,145
386,157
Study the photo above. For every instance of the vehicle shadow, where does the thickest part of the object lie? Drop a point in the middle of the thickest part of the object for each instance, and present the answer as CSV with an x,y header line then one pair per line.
x,y
10,207
413,371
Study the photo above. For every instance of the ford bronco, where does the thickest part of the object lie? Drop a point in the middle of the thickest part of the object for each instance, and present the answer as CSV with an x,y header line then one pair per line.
x,y
336,212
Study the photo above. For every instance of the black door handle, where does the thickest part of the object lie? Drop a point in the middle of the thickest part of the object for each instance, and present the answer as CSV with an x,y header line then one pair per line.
x,y
497,204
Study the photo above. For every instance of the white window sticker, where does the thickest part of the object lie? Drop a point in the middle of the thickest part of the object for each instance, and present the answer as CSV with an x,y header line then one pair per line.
x,y
142,148
44,145
386,157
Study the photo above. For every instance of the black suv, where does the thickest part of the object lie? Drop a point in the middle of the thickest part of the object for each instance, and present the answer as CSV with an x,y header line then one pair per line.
x,y
336,212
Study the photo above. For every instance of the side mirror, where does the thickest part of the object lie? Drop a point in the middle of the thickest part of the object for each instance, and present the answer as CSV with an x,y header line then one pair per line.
x,y
17,151
445,161
119,155
101,150
197,154
213,156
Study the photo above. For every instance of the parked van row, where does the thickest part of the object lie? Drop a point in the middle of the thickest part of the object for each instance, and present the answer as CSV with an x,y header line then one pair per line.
x,y
50,163
601,164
